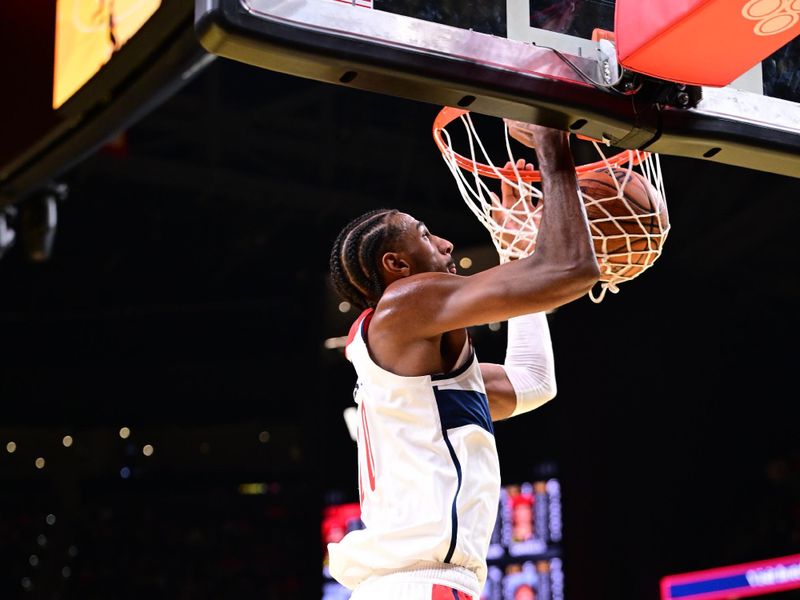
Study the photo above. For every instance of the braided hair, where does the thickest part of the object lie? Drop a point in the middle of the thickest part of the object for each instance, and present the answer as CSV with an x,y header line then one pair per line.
x,y
354,267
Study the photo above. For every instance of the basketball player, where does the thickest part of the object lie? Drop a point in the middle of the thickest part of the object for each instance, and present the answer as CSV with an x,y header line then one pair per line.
x,y
429,475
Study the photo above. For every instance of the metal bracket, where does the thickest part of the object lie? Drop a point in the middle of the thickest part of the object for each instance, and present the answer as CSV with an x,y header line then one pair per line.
x,y
608,69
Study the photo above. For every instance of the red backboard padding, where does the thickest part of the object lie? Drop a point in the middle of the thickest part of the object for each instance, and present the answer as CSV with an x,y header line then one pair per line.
x,y
702,42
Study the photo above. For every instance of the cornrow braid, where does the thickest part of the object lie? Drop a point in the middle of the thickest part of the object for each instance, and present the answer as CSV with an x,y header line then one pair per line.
x,y
354,257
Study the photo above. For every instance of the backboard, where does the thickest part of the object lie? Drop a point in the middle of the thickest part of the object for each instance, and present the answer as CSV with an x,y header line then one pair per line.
x,y
531,60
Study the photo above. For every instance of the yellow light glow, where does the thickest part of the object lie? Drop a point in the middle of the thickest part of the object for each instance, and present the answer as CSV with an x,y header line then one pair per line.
x,y
263,437
39,462
11,447
88,32
67,441
124,433
147,450
465,263
252,489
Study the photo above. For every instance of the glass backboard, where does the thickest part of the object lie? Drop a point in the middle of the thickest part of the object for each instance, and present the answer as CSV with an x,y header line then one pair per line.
x,y
532,60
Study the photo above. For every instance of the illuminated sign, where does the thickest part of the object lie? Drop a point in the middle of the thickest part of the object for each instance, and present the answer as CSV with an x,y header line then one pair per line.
x,y
736,581
88,32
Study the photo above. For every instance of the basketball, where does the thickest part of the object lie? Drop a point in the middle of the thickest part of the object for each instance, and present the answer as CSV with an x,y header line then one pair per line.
x,y
628,221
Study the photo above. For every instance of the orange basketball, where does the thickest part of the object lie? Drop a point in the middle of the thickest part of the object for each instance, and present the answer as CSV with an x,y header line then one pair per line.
x,y
628,219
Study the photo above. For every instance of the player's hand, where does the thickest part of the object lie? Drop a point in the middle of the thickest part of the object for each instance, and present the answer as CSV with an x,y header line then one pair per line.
x,y
530,134
515,213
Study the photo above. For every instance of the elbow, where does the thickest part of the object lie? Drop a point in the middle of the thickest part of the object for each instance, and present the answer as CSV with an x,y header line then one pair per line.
x,y
548,391
528,400
580,277
590,274
573,275
533,386
588,271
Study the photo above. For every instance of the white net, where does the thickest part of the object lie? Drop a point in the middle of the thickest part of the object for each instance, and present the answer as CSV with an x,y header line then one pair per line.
x,y
623,194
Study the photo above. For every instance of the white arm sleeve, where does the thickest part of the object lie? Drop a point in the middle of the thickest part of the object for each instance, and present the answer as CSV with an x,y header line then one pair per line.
x,y
529,361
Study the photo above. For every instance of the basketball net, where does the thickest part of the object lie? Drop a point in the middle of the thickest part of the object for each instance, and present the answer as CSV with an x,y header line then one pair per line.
x,y
514,229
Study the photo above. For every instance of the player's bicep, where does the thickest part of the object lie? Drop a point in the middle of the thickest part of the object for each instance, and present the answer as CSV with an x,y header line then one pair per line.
x,y
499,391
429,304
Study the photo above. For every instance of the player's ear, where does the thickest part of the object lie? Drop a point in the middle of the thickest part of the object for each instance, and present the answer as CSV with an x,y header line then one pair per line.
x,y
395,265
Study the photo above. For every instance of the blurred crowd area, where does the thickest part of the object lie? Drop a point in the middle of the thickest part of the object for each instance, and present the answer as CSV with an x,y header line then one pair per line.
x,y
144,541
202,539
781,72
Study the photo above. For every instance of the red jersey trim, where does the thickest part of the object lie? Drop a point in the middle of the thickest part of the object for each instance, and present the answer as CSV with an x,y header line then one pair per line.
x,y
443,592
365,316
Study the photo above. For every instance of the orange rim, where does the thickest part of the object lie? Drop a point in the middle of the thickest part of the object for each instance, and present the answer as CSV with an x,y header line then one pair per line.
x,y
448,114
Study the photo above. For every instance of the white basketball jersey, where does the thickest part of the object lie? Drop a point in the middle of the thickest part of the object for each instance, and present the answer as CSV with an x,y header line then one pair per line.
x,y
429,475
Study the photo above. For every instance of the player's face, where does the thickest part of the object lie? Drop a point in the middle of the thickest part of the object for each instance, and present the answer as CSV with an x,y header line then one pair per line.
x,y
426,252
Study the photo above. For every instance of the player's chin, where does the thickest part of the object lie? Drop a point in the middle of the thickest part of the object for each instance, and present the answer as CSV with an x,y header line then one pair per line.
x,y
451,268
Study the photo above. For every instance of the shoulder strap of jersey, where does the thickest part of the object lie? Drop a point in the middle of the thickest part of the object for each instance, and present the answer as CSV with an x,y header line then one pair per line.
x,y
364,317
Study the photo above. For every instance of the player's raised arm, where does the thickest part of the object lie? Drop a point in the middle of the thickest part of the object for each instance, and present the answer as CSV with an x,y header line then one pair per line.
x,y
526,380
562,269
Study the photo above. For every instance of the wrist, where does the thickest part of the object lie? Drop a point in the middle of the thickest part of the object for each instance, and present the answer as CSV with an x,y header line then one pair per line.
x,y
551,136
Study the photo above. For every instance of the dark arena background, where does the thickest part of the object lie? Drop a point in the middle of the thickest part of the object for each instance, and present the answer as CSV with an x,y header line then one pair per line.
x,y
172,388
